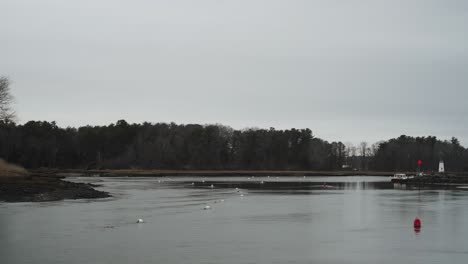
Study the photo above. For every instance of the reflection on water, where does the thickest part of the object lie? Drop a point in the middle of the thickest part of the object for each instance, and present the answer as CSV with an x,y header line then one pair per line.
x,y
252,220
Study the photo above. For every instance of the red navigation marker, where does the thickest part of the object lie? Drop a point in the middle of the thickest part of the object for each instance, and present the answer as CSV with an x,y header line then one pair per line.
x,y
419,162
417,223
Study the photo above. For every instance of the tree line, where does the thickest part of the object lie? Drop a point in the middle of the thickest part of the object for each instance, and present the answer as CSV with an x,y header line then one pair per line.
x,y
40,144
402,154
165,146
122,145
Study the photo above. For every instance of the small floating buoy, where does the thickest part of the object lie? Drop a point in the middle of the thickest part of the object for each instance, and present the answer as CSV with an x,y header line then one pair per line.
x,y
261,182
193,183
417,223
139,221
207,207
212,186
242,195
203,181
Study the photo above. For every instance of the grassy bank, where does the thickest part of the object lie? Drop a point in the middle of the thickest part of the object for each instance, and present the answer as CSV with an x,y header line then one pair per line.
x,y
11,170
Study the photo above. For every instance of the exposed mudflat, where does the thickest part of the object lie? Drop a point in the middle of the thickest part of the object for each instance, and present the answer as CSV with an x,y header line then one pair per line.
x,y
41,189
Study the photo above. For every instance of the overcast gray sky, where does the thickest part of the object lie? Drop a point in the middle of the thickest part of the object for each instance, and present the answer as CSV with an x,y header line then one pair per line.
x,y
349,70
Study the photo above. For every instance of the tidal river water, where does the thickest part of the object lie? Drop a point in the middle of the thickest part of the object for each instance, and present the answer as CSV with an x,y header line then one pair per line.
x,y
279,220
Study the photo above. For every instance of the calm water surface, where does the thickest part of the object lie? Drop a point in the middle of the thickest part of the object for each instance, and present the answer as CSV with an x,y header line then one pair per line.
x,y
284,220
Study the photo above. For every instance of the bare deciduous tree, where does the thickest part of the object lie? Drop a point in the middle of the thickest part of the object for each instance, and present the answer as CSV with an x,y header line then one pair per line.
x,y
6,112
363,149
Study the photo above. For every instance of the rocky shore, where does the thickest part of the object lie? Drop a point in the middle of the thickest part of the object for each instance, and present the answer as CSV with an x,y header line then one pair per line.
x,y
41,189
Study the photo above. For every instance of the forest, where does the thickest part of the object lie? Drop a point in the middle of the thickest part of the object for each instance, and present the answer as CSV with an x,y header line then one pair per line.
x,y
41,144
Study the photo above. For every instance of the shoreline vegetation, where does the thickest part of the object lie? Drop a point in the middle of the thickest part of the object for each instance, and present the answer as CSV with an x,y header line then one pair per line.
x,y
11,170
215,147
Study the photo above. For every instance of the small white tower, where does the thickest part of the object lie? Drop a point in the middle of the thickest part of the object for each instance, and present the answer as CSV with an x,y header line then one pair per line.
x,y
441,167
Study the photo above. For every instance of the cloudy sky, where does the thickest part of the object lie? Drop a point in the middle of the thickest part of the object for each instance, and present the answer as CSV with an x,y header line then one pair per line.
x,y
349,70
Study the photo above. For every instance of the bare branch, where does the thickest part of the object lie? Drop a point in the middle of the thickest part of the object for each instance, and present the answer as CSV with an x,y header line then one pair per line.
x,y
6,99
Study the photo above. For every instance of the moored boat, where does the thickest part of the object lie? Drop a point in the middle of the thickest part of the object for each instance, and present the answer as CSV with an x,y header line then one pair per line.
x,y
400,177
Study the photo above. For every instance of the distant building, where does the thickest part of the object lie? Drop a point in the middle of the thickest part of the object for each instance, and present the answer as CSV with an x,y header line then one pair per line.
x,y
441,167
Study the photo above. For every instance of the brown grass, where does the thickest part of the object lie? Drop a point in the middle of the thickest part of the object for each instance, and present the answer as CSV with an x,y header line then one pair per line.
x,y
11,170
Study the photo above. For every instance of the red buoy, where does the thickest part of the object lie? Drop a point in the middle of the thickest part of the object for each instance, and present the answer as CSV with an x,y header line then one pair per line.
x,y
417,223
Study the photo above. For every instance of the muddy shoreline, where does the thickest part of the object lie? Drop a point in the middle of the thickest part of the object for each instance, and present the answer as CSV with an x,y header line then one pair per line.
x,y
44,189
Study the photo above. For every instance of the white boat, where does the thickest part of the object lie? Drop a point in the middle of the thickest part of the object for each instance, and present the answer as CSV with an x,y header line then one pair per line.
x,y
399,176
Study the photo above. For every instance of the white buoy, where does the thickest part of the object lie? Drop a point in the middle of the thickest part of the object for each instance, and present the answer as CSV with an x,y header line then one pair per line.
x,y
203,181
242,195
261,182
139,221
207,207
193,183
212,186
